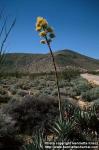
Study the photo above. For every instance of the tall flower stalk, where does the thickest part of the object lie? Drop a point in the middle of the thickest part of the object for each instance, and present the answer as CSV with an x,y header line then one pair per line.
x,y
47,34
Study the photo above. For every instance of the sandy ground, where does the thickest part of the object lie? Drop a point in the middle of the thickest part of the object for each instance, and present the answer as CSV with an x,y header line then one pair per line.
x,y
94,79
91,78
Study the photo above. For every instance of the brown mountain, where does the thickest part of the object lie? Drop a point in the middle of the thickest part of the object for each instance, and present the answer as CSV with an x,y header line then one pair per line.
x,y
42,62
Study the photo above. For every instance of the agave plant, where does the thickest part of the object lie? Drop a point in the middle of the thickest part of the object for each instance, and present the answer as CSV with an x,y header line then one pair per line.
x,y
64,129
29,147
87,119
47,34
37,144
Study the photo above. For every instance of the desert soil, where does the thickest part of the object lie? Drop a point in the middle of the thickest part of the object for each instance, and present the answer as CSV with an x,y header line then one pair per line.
x,y
91,78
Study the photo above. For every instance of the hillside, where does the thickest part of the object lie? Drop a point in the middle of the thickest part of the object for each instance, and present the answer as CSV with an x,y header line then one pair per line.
x,y
42,62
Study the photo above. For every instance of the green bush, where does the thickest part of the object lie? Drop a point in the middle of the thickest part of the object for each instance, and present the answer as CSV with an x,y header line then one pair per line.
x,y
94,72
91,94
64,129
87,119
80,85
70,91
69,74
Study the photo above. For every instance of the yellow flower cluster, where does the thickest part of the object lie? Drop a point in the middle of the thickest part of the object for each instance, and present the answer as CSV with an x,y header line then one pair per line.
x,y
41,22
49,29
43,42
44,30
43,33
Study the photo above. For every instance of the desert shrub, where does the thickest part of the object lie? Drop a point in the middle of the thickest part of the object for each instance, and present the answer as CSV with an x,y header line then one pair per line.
x,y
91,94
16,74
96,103
80,85
39,87
4,98
64,83
87,120
23,85
6,122
22,92
42,82
94,72
8,138
76,87
68,108
36,82
47,91
70,91
32,76
13,89
69,74
31,112
2,91
54,92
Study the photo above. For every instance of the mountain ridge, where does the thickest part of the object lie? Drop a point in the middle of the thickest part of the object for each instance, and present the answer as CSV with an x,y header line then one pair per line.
x,y
42,62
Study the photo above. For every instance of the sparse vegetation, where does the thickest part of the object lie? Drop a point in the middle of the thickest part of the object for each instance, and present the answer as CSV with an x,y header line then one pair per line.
x,y
31,113
30,63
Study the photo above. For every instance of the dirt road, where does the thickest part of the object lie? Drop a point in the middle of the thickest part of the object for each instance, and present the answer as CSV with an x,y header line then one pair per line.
x,y
79,103
91,78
